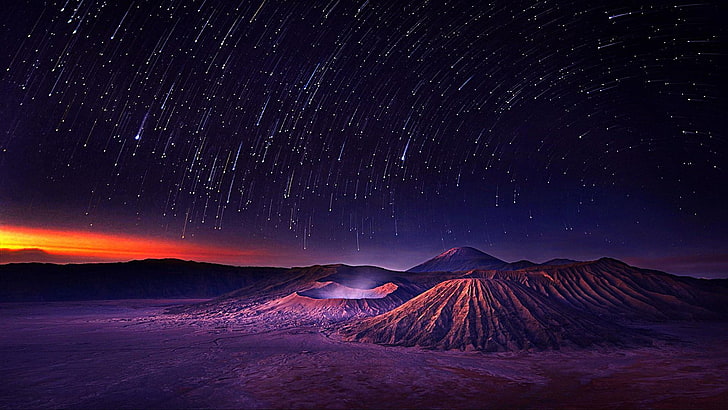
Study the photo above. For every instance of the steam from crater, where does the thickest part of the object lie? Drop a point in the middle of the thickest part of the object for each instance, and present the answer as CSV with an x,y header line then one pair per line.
x,y
332,290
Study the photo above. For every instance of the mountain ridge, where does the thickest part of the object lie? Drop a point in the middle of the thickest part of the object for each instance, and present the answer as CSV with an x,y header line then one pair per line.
x,y
537,307
466,258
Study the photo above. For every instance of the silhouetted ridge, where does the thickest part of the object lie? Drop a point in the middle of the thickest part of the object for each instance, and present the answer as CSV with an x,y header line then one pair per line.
x,y
522,264
151,278
558,261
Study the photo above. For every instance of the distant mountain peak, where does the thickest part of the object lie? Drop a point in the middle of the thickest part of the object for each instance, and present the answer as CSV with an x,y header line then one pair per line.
x,y
462,252
460,259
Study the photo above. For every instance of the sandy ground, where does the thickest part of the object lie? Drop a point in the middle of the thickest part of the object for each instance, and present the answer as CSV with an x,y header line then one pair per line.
x,y
127,354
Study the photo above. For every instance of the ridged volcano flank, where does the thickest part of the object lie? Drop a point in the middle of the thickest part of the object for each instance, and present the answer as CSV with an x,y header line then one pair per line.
x,y
610,288
486,314
460,259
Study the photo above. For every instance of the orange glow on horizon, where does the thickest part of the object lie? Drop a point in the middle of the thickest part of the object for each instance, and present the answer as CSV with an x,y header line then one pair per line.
x,y
102,246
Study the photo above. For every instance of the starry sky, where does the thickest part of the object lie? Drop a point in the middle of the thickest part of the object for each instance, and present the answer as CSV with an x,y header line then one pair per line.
x,y
371,132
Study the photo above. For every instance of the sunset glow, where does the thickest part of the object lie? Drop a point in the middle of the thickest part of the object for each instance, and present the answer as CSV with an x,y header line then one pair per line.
x,y
100,246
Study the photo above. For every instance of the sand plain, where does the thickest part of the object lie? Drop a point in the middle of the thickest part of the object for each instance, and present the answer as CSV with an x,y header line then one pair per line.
x,y
131,354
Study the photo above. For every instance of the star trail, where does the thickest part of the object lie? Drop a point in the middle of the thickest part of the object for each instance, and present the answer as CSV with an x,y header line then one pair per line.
x,y
370,131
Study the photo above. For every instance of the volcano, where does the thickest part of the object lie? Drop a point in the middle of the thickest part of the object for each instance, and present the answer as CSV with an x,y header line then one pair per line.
x,y
608,288
311,296
330,302
460,259
489,315
542,307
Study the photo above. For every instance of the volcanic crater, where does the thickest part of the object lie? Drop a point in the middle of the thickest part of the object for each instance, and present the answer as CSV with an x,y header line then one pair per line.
x,y
333,290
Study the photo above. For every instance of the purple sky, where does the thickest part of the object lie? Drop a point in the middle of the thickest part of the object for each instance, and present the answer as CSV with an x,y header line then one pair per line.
x,y
373,132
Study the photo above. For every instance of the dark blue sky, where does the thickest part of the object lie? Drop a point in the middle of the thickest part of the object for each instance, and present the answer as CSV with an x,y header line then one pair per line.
x,y
373,132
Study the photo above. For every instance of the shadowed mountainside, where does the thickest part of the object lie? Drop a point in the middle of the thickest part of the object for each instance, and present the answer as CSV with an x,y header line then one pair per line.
x,y
151,278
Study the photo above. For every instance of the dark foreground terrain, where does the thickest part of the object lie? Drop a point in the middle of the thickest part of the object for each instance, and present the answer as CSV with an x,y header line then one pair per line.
x,y
131,354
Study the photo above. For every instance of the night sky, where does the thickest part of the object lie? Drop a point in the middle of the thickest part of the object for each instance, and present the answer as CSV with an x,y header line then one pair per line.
x,y
372,132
